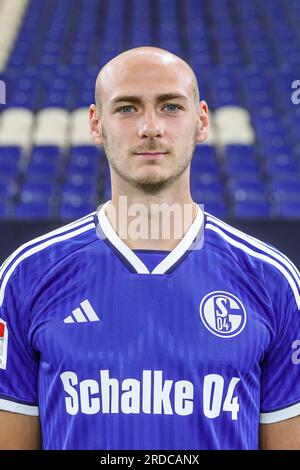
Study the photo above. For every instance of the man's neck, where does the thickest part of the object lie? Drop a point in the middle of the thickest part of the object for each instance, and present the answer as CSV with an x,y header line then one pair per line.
x,y
154,223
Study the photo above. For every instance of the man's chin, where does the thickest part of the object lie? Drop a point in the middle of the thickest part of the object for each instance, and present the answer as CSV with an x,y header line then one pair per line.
x,y
152,184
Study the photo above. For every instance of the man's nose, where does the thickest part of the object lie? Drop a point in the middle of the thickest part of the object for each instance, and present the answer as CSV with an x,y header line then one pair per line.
x,y
150,126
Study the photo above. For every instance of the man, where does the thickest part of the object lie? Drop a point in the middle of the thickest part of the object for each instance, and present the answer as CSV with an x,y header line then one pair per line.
x,y
115,336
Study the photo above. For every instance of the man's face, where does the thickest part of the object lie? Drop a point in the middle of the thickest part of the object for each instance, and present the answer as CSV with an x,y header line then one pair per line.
x,y
149,122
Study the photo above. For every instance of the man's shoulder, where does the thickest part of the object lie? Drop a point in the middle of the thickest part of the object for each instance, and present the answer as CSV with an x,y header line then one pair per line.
x,y
233,239
51,246
253,255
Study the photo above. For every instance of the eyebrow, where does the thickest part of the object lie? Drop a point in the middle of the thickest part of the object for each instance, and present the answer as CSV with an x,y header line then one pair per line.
x,y
159,98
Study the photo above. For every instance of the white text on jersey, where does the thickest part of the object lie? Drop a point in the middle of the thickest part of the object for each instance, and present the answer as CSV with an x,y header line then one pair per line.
x,y
151,395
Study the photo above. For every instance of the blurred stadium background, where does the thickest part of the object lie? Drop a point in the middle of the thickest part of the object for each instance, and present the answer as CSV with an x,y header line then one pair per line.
x,y
246,55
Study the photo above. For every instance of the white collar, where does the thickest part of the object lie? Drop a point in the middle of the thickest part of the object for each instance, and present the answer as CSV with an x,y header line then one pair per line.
x,y
134,260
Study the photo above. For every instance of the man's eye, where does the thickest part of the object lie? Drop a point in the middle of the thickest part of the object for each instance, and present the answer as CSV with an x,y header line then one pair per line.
x,y
126,109
171,108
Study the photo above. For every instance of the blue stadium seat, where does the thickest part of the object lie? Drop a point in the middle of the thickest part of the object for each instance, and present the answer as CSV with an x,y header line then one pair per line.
x,y
251,210
5,210
9,170
45,167
82,160
282,188
281,164
204,164
68,211
56,99
32,211
206,181
8,189
204,159
106,192
216,208
279,154
38,191
45,153
203,197
235,185
248,195
236,165
10,154
287,210
79,179
41,177
28,99
84,187
85,150
233,151
246,179
226,98
267,127
88,170
276,145
78,198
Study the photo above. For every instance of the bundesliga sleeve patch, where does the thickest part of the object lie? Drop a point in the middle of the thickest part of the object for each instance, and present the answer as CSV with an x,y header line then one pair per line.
x,y
3,344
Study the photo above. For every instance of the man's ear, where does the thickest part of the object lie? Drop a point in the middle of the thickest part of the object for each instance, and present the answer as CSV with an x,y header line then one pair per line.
x,y
95,125
202,131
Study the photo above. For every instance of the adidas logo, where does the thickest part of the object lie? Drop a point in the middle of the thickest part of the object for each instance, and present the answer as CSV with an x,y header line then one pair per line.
x,y
84,314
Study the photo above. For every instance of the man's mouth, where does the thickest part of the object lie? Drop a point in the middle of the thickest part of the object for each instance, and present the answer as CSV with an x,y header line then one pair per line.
x,y
151,155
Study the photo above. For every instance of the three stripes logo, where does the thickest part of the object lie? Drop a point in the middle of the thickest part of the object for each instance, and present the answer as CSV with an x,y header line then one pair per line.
x,y
84,313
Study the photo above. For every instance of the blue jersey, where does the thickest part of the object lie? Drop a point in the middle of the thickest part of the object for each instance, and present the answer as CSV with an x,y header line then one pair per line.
x,y
122,349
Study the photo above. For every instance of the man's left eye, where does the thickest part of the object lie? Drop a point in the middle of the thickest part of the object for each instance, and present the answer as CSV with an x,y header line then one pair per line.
x,y
171,107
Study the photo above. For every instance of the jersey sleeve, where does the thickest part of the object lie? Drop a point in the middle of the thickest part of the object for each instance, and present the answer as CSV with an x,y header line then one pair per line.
x,y
18,362
280,370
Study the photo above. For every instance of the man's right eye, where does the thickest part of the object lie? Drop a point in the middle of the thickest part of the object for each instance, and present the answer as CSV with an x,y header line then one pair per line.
x,y
125,109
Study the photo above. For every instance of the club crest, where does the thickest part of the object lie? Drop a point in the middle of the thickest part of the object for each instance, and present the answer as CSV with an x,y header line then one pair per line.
x,y
223,314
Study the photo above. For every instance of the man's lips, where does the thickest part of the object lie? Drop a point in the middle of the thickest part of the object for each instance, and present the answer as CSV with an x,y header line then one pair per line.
x,y
152,155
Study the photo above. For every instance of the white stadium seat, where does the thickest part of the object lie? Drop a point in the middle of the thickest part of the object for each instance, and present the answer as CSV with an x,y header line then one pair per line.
x,y
233,126
55,117
13,118
16,127
52,127
246,137
227,114
79,127
11,14
14,137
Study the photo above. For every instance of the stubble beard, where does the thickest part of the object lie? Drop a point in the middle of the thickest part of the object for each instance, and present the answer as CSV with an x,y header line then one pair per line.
x,y
149,184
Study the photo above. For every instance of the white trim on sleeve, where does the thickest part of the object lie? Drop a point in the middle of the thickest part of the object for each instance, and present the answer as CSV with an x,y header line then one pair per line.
x,y
14,407
280,415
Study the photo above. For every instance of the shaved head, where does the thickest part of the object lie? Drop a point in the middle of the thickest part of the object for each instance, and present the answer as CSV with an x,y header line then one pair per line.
x,y
148,117
147,56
